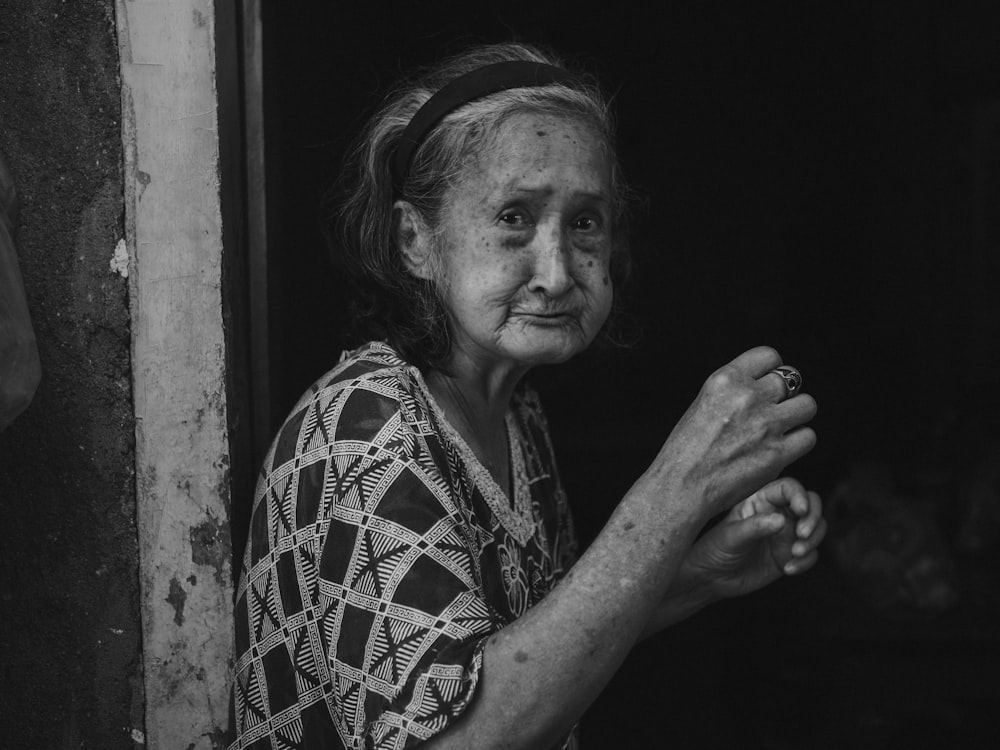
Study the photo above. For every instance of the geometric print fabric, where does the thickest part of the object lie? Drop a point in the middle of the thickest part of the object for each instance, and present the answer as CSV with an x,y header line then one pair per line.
x,y
381,557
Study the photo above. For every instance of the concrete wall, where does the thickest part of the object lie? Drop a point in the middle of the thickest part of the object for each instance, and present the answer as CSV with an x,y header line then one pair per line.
x,y
115,570
70,673
174,238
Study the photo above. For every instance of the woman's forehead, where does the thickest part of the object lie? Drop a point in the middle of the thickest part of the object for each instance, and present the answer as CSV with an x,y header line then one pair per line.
x,y
522,128
533,148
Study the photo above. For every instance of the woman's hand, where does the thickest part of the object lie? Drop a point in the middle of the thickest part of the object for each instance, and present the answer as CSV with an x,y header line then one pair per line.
x,y
775,531
739,434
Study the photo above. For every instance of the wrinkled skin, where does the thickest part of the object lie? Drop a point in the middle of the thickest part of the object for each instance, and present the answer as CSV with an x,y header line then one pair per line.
x,y
522,248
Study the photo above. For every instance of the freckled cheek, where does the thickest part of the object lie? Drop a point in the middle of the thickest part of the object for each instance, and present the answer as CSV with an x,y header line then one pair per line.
x,y
591,268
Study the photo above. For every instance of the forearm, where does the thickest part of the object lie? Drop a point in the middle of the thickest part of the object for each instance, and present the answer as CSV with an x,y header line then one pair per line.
x,y
541,672
686,595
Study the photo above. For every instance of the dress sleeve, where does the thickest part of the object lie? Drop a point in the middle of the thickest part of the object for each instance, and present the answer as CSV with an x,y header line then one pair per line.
x,y
403,615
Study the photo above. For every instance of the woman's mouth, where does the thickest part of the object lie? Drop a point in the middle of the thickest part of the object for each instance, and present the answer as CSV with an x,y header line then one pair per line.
x,y
546,317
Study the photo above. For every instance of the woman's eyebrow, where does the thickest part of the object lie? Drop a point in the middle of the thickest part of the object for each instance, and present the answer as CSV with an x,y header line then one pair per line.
x,y
515,187
600,197
545,191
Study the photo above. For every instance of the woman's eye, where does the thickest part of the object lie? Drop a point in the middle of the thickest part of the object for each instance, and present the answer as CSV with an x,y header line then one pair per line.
x,y
586,224
515,219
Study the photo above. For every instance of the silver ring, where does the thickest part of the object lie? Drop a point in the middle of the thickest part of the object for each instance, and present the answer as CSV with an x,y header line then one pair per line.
x,y
791,377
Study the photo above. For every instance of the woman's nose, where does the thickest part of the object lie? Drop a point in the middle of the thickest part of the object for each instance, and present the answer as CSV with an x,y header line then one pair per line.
x,y
551,272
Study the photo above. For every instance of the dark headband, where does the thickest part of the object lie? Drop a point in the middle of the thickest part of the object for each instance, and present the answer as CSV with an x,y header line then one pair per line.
x,y
464,89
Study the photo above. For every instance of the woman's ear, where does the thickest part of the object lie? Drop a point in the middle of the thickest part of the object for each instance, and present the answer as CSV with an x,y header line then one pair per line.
x,y
413,237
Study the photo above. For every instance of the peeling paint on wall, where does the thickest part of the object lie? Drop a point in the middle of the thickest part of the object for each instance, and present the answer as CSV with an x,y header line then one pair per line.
x,y
210,546
119,261
176,599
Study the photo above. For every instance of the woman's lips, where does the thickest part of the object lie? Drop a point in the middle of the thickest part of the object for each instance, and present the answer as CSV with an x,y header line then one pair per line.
x,y
547,317
544,312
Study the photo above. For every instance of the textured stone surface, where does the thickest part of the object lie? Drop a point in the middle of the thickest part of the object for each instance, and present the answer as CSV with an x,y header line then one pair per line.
x,y
174,239
69,633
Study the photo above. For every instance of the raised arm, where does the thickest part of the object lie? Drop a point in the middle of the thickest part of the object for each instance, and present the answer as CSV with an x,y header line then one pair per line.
x,y
541,672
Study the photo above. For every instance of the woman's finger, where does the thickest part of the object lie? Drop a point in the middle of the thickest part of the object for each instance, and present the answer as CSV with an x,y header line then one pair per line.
x,y
803,545
786,492
796,411
797,443
811,517
757,362
800,503
773,386
749,531
800,564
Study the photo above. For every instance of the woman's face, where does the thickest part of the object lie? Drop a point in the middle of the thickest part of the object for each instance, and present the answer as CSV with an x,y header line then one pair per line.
x,y
524,245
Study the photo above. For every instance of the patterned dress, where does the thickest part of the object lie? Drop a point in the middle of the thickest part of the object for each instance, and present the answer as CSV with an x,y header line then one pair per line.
x,y
381,557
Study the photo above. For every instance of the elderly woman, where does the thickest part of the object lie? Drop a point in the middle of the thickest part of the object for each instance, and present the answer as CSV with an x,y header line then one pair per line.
x,y
411,575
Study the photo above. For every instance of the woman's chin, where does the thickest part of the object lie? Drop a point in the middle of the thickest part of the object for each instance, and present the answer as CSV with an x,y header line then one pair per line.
x,y
548,347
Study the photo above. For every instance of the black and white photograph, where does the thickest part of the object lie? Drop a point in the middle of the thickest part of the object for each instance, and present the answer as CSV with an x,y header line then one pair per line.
x,y
523,376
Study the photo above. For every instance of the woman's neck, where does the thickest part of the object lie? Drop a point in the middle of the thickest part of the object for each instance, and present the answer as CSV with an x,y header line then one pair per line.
x,y
476,402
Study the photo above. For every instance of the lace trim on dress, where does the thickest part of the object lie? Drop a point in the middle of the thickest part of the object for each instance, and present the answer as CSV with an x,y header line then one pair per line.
x,y
517,518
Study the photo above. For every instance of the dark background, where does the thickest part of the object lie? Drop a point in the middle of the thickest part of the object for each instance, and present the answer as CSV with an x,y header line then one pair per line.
x,y
821,178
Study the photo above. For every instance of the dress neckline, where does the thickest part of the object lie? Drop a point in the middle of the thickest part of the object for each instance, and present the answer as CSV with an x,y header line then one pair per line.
x,y
516,517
